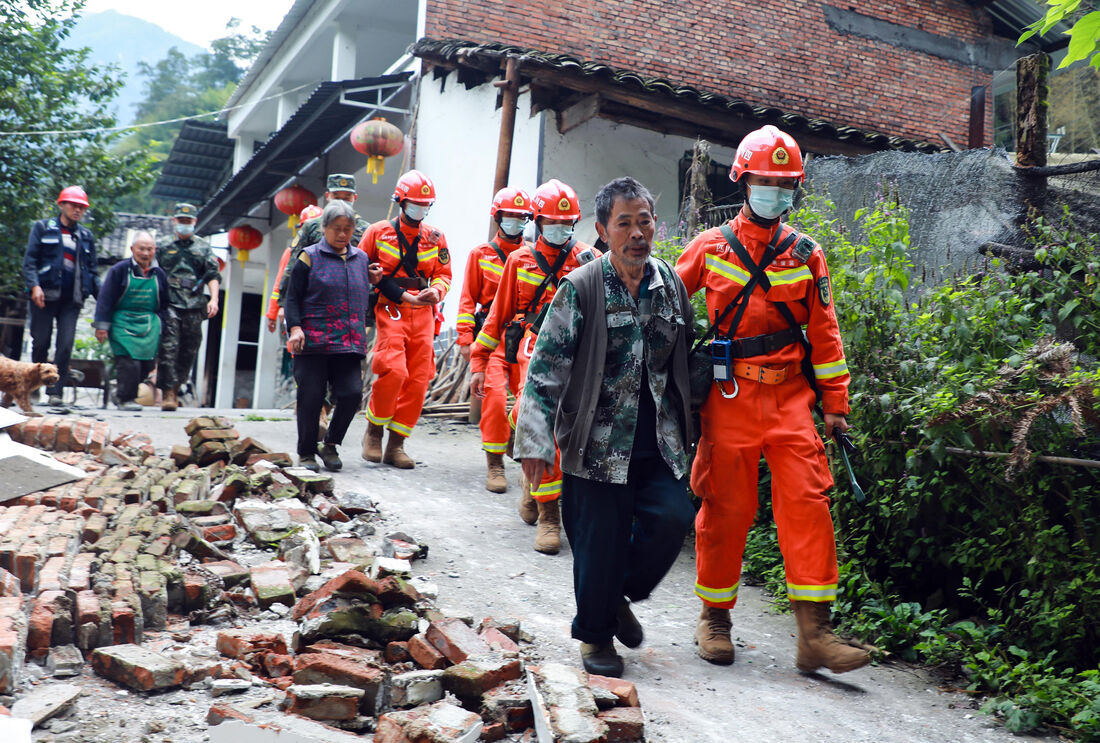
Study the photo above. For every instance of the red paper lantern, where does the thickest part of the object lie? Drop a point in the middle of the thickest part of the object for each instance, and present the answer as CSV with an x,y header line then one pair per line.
x,y
377,139
292,200
245,238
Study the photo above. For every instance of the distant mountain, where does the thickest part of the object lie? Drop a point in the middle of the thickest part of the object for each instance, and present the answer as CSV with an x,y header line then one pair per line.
x,y
120,39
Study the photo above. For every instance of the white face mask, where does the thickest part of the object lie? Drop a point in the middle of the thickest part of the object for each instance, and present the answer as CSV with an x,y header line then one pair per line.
x,y
416,212
185,230
770,202
512,226
557,234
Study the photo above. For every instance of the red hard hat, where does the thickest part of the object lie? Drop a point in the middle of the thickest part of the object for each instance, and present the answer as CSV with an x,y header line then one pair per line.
x,y
73,194
510,199
768,151
310,212
556,200
416,187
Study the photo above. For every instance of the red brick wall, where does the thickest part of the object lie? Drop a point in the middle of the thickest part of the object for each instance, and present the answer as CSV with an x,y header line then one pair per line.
x,y
766,52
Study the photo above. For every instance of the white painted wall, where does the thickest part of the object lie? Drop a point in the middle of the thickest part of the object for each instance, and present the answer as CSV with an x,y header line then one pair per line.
x,y
457,133
599,151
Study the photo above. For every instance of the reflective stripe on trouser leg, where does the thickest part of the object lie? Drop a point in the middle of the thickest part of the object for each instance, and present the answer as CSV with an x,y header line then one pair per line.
x,y
500,376
389,368
418,326
549,488
800,502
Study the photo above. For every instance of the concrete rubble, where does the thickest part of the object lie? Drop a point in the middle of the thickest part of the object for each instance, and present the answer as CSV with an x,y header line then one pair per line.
x,y
118,570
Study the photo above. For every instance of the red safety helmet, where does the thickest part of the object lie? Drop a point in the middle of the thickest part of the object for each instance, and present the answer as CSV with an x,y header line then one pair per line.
x,y
510,199
556,200
416,187
74,195
310,212
768,151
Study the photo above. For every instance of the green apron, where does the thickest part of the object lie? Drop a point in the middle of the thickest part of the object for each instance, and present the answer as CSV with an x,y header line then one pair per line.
x,y
135,327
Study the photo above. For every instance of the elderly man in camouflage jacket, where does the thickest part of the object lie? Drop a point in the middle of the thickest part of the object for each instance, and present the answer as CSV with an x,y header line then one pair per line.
x,y
609,382
191,267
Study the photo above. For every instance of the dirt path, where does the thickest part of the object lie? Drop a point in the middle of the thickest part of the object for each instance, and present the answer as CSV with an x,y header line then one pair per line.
x,y
481,559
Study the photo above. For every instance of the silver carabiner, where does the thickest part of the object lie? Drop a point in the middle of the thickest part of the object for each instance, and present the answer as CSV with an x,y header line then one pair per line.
x,y
529,351
736,389
395,319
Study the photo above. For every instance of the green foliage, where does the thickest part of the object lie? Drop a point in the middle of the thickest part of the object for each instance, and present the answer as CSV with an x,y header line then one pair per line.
x,y
1084,33
45,87
986,567
179,86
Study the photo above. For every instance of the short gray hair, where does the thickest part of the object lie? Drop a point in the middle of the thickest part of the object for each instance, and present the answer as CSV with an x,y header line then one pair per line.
x,y
335,210
139,234
627,188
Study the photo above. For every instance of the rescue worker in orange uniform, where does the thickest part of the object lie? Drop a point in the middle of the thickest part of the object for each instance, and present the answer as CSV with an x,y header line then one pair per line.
x,y
415,254
510,210
774,282
528,283
274,309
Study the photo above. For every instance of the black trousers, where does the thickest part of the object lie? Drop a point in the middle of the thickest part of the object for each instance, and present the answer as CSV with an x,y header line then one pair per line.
x,y
128,375
65,313
624,539
315,373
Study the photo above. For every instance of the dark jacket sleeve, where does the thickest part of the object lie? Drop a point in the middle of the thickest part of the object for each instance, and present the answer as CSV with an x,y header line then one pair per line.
x,y
296,290
210,266
93,267
390,289
162,294
109,294
30,257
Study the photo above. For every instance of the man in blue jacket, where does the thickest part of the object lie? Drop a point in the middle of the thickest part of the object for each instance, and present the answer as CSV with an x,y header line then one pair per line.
x,y
59,268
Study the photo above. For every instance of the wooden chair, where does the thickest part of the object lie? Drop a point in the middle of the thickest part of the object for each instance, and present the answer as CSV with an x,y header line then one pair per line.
x,y
92,375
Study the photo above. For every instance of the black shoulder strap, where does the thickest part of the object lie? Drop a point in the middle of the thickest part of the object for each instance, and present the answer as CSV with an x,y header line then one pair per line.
x,y
496,249
409,258
550,271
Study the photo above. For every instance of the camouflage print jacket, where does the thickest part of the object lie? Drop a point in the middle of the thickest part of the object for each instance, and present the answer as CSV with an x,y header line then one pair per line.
x,y
190,265
586,399
310,233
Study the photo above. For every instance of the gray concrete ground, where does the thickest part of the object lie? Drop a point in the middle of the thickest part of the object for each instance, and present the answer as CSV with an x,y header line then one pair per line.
x,y
482,560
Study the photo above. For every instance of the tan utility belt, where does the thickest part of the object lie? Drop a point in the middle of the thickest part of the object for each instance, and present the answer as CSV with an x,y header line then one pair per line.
x,y
765,374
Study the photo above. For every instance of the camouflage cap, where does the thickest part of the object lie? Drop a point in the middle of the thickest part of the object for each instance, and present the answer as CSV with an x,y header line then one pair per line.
x,y
186,210
340,182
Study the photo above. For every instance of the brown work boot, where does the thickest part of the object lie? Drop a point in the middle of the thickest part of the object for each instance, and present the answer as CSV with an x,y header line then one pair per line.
x,y
372,443
169,401
818,646
496,482
528,506
548,536
712,636
395,452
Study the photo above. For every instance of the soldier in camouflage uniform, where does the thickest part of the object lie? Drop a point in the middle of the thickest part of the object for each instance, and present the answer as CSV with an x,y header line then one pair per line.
x,y
609,382
340,187
191,267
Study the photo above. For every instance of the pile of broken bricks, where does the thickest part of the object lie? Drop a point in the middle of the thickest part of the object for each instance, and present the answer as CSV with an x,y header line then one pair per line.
x,y
147,543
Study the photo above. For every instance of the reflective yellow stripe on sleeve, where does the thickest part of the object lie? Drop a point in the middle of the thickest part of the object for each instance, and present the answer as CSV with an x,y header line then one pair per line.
x,y
728,270
487,340
529,276
466,318
830,369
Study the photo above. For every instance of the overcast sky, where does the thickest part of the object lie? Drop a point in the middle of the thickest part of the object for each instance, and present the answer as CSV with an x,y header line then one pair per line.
x,y
199,21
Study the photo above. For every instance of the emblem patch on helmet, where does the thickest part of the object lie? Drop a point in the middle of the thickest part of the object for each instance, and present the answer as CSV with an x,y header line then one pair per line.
x,y
824,291
518,201
563,205
425,189
444,256
780,156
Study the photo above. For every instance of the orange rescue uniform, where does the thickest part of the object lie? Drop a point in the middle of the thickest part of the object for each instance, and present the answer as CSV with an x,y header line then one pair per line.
x,y
404,360
273,303
773,419
484,269
520,280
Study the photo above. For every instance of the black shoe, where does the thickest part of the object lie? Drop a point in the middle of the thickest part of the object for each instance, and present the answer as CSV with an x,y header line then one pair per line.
x,y
629,631
329,457
130,406
601,659
55,401
309,463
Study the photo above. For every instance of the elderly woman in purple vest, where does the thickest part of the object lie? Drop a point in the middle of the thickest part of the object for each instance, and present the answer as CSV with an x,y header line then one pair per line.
x,y
326,308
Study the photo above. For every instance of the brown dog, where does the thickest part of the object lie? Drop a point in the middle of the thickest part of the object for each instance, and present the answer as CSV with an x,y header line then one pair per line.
x,y
18,379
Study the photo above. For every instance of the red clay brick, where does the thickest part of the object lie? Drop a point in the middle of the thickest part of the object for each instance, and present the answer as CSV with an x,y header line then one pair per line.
x,y
455,640
624,723
324,668
425,654
624,690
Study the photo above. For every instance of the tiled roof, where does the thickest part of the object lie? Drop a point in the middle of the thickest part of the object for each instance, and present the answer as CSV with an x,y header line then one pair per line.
x,y
474,57
198,163
112,246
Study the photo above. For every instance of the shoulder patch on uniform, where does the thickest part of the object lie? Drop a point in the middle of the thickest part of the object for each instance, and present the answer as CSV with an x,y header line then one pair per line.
x,y
304,258
444,256
824,290
297,238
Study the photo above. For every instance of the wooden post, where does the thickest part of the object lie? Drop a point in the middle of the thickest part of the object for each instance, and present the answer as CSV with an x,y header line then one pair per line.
x,y
1031,110
698,195
977,117
509,87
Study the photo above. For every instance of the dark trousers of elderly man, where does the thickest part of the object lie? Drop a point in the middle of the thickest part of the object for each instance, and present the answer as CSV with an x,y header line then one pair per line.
x,y
607,381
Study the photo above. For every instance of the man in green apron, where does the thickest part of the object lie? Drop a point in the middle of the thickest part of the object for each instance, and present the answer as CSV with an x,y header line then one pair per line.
x,y
131,302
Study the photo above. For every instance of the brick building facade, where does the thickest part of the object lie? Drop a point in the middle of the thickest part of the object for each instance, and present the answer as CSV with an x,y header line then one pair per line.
x,y
904,68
